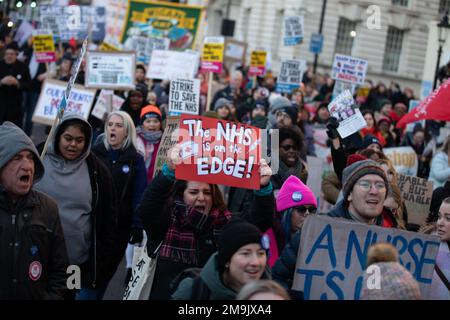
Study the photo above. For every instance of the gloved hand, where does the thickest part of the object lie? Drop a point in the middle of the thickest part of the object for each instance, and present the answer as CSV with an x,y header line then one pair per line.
x,y
137,234
332,126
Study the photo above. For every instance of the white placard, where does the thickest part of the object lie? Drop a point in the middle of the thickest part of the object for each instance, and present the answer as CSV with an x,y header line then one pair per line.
x,y
293,30
184,96
350,119
404,160
172,65
103,104
80,101
110,70
349,69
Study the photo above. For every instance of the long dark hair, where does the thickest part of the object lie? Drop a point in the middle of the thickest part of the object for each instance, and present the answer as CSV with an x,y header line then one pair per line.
x,y
217,198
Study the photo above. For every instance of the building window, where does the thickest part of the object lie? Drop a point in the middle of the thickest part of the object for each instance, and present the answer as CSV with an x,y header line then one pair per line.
x,y
345,35
403,3
444,6
393,49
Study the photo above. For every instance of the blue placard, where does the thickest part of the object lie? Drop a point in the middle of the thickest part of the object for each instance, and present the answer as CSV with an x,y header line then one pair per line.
x,y
316,43
286,87
292,41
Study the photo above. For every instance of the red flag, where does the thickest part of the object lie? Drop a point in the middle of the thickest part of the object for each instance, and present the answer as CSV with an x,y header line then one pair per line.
x,y
435,107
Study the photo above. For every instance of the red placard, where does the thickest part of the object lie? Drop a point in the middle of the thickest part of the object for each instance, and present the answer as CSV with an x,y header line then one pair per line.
x,y
219,152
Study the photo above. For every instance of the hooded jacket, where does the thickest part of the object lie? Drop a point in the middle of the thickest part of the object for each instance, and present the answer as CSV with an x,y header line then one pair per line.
x,y
33,256
84,191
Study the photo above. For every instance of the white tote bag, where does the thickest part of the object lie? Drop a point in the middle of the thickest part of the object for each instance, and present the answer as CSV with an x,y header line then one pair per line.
x,y
141,281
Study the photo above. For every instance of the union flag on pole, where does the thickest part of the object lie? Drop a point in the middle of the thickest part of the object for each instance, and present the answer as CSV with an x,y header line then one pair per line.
x,y
435,107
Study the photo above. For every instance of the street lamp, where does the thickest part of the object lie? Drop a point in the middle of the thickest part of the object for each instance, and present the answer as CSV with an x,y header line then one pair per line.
x,y
443,29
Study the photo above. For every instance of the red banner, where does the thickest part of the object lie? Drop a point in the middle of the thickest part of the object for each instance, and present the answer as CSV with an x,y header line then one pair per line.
x,y
435,107
219,152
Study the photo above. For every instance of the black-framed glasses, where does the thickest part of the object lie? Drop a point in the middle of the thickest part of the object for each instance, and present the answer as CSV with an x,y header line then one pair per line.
x,y
304,209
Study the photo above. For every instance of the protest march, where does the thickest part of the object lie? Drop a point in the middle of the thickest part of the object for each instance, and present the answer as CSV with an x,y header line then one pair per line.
x,y
147,155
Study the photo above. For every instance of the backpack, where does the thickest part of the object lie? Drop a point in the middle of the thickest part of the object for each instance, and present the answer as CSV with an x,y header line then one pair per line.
x,y
200,290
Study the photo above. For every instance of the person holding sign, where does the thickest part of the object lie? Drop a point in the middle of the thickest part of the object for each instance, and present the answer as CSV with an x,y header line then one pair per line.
x,y
149,135
365,188
83,189
117,149
241,258
187,216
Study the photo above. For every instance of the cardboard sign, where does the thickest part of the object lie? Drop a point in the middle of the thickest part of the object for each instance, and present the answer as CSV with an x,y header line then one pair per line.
x,y
184,96
80,100
257,63
107,102
291,74
43,46
350,118
404,160
178,22
168,140
110,70
293,30
172,65
219,152
349,69
417,193
332,257
212,54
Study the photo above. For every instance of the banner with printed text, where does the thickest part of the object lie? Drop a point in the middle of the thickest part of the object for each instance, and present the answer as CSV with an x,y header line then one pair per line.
x,y
332,257
219,152
291,74
178,22
212,54
257,63
43,46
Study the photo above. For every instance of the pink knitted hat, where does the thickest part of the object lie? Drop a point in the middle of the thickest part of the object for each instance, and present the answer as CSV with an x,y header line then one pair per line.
x,y
294,193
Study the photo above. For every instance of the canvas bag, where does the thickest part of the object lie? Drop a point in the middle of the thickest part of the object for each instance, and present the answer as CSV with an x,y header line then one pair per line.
x,y
144,267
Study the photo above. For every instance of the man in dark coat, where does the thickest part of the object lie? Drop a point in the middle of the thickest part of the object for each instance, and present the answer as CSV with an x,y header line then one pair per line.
x,y
14,78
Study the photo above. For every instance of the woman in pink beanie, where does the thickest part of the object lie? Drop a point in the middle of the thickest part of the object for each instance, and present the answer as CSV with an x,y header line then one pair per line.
x,y
295,201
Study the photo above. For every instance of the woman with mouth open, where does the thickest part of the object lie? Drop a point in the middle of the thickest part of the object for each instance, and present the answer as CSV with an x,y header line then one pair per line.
x,y
117,149
187,216
83,189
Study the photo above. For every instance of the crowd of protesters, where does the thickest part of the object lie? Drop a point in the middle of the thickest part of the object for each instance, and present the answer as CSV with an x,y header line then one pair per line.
x,y
211,239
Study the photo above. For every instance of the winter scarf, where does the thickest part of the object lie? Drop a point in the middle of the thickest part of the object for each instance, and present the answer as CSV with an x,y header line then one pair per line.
x,y
151,137
186,226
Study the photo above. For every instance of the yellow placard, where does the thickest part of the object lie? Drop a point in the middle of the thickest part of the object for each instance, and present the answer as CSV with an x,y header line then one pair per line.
x,y
258,58
43,43
108,47
213,52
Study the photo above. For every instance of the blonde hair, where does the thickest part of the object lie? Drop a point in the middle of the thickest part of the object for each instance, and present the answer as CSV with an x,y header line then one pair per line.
x,y
130,129
262,286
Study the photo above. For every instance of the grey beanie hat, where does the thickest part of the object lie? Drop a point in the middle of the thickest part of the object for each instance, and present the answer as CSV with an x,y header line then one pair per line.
x,y
222,102
279,102
357,170
13,141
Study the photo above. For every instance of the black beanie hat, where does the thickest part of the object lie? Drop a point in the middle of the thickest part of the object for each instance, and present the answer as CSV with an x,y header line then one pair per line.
x,y
234,235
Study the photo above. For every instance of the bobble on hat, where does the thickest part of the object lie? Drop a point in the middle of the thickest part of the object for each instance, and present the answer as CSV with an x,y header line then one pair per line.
x,y
294,193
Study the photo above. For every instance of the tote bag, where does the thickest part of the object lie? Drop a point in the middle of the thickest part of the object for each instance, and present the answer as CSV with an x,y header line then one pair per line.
x,y
141,281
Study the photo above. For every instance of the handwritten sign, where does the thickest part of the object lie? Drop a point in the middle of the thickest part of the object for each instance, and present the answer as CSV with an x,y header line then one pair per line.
x,y
171,65
43,46
349,69
168,140
290,76
212,54
332,257
107,102
350,118
417,194
80,101
404,160
110,70
219,152
184,96
257,63
293,30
